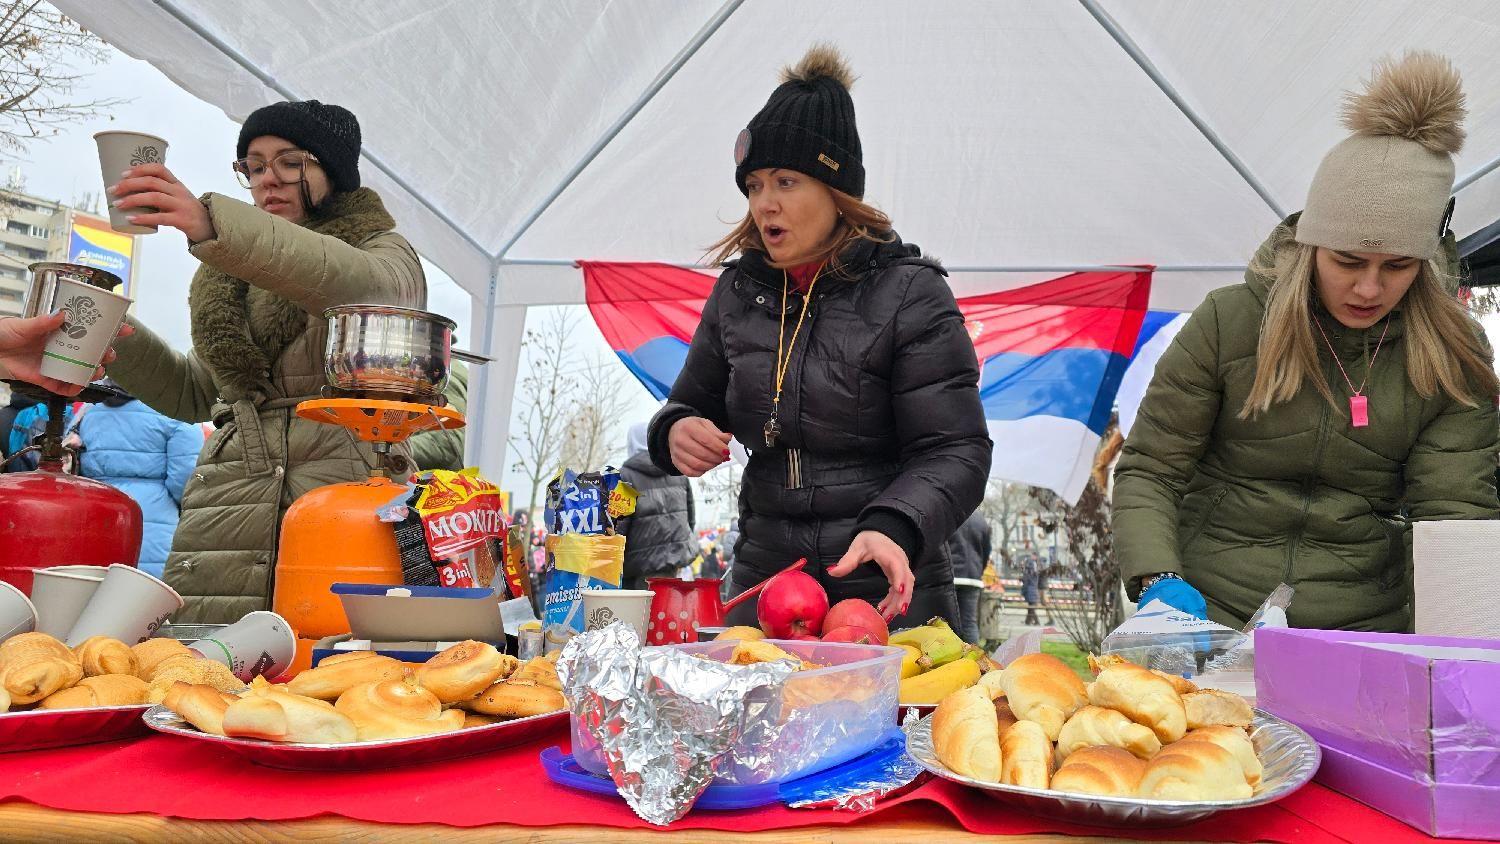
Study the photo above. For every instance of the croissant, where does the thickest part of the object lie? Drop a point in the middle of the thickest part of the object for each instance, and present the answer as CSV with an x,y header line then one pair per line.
x,y
1004,717
463,671
966,734
1234,740
517,699
36,665
1142,697
197,671
339,674
1042,688
1103,770
1212,707
103,655
1180,685
1026,756
152,652
278,716
201,706
1094,725
395,709
541,671
4,700
1194,770
101,690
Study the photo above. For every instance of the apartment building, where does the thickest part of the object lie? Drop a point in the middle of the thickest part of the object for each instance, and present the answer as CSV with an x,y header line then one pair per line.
x,y
33,229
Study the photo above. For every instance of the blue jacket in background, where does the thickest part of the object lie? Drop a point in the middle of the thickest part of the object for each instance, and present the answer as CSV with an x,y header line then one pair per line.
x,y
148,457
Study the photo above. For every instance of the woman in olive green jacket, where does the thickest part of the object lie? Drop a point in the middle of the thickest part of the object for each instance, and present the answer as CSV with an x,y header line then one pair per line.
x,y
313,239
1301,420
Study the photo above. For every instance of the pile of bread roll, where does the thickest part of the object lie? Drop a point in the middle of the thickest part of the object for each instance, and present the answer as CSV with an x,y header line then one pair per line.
x,y
363,696
1132,732
37,670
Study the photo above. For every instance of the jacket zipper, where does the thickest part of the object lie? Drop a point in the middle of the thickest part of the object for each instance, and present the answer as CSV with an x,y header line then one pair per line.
x,y
1309,483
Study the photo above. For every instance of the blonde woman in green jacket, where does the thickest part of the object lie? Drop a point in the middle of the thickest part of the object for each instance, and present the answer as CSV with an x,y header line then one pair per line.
x,y
312,239
1300,421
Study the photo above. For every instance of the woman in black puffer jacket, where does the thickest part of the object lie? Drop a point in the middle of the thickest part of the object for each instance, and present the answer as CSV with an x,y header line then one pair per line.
x,y
837,355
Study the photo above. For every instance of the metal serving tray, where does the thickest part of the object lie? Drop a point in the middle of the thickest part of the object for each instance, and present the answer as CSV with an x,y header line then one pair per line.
x,y
39,729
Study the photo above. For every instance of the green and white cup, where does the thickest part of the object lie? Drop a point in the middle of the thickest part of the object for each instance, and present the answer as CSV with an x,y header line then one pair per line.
x,y
259,645
93,317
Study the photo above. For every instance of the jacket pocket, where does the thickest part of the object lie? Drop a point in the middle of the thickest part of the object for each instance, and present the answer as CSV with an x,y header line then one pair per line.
x,y
1201,522
1395,528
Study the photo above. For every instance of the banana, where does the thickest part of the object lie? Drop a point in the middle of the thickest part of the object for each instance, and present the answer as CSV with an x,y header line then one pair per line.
x,y
973,652
939,645
909,666
933,686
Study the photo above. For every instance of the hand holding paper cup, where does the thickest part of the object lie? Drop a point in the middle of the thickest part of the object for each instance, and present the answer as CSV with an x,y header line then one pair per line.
x,y
91,319
259,645
129,605
602,607
118,152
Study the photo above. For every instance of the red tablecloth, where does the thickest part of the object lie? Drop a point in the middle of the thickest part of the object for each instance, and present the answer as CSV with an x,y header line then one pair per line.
x,y
177,777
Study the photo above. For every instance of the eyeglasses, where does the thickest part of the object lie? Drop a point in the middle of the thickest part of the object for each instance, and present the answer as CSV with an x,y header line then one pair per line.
x,y
290,168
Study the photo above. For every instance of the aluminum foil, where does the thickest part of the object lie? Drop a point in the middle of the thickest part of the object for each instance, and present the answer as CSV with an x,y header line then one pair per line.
x,y
664,719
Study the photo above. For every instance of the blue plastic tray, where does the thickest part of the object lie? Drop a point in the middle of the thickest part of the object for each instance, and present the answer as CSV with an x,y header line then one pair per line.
x,y
562,770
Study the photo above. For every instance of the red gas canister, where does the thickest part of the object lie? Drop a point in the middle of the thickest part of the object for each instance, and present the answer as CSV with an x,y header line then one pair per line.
x,y
51,518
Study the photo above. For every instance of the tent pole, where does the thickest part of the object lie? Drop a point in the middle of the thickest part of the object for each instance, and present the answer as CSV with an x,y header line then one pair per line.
x,y
234,55
1475,176
661,80
1134,51
474,419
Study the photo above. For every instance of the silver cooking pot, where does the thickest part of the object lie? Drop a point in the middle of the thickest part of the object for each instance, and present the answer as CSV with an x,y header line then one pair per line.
x,y
386,349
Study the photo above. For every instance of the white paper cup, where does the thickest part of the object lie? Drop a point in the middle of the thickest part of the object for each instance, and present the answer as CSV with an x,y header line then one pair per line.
x,y
74,351
17,614
602,607
60,597
118,152
260,644
86,571
129,605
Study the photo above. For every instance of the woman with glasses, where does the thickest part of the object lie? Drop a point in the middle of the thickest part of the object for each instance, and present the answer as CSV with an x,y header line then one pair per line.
x,y
312,239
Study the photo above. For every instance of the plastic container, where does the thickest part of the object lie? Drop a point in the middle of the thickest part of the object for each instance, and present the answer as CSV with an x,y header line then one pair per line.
x,y
826,716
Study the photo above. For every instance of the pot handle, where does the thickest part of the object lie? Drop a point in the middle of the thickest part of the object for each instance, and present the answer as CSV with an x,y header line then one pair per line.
x,y
755,590
470,357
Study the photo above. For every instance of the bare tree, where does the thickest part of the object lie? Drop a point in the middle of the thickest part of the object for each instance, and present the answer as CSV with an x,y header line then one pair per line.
x,y
592,437
42,53
544,404
1005,508
717,493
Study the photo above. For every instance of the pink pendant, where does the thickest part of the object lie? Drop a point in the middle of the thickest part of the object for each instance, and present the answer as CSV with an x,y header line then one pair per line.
x,y
1359,411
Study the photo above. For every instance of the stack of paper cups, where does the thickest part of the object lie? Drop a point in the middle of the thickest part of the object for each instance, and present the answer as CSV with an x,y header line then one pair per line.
x,y
60,593
17,615
129,605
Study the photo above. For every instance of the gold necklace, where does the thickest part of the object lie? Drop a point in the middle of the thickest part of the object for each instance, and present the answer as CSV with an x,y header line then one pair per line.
x,y
772,428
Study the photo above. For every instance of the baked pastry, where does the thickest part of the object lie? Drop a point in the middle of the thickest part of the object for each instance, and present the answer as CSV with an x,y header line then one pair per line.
x,y
100,690
1101,769
474,720
1194,770
339,674
463,671
35,665
201,706
1180,685
275,715
1092,726
396,709
517,699
1234,740
966,734
543,672
990,682
152,652
103,655
1212,707
1042,688
1142,697
4,700
198,671
1026,755
1004,717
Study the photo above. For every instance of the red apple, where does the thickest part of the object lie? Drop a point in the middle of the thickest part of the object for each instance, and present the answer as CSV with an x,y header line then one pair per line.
x,y
857,635
854,612
792,602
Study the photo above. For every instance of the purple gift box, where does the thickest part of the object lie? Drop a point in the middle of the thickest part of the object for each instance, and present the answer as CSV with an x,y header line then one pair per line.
x,y
1408,724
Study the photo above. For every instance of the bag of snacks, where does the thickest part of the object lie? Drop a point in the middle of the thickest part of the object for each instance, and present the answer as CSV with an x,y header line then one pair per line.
x,y
583,550
450,531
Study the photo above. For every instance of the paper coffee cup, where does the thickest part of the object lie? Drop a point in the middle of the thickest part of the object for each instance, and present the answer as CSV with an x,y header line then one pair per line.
x,y
602,607
17,614
129,605
118,152
74,351
60,596
259,645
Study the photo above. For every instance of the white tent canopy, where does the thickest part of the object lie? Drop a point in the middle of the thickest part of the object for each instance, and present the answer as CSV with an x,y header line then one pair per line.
x,y
1014,139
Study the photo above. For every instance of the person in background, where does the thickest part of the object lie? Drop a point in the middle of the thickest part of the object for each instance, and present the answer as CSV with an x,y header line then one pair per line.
x,y
445,449
1031,585
659,535
148,457
969,548
710,565
726,553
8,415
27,426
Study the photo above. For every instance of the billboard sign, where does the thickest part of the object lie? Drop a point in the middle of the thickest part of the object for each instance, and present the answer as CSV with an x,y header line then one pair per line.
x,y
93,244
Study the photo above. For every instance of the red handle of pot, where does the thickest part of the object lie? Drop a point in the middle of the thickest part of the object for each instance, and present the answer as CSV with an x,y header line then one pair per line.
x,y
755,590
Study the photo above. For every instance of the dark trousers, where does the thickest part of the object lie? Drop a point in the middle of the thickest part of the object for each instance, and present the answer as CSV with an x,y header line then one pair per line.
x,y
968,613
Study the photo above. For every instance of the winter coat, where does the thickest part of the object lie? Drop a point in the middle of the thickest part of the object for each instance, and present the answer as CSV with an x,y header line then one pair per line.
x,y
659,537
445,449
148,457
969,547
257,352
1296,495
881,395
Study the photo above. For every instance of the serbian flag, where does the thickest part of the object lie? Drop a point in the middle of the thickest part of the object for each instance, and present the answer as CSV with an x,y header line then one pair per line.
x,y
1051,355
